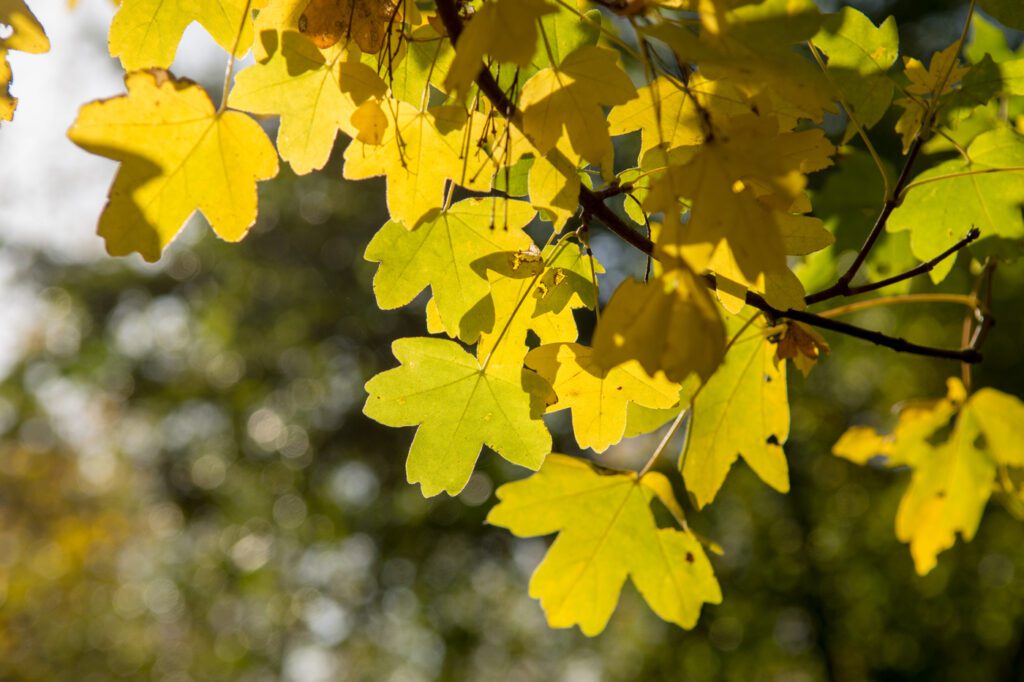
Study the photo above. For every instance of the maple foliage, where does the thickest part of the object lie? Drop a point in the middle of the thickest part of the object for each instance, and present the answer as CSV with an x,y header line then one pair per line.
x,y
505,131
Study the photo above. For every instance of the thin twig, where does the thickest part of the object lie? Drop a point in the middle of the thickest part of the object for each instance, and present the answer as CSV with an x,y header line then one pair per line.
x,y
921,269
960,299
842,285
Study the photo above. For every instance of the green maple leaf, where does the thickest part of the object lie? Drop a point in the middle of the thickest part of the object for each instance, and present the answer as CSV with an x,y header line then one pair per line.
x,y
859,57
441,251
742,411
941,211
459,406
606,533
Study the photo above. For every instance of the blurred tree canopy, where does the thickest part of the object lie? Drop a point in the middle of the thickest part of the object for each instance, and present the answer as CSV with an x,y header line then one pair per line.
x,y
189,490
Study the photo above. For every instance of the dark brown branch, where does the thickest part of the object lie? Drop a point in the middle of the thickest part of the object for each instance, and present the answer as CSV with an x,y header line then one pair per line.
x,y
921,269
592,205
842,285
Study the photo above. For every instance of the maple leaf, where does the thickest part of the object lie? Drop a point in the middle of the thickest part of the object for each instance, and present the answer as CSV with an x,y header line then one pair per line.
x,y
749,45
953,478
741,411
177,154
531,291
419,153
669,324
316,93
569,97
146,33
801,344
606,533
504,29
952,196
859,57
741,186
666,115
598,398
367,22
927,87
554,185
26,35
441,252
458,406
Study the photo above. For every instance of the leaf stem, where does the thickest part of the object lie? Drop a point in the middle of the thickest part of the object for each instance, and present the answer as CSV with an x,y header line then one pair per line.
x,y
229,72
683,412
522,299
853,119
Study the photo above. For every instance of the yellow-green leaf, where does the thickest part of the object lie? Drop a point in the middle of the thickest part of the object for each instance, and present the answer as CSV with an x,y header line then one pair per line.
x,y
178,154
606,533
742,411
419,153
1000,416
569,97
955,195
146,33
442,253
316,93
598,398
504,29
669,324
458,406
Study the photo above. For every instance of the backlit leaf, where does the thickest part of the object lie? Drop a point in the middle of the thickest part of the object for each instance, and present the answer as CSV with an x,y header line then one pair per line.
x,y
598,398
458,407
742,411
178,154
146,33
606,533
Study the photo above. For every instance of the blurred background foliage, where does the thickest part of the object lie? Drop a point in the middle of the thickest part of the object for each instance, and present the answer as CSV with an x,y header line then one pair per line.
x,y
189,491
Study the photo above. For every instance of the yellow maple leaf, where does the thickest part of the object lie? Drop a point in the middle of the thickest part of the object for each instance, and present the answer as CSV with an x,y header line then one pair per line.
x,y
741,186
598,398
570,96
146,33
666,115
749,45
177,154
504,29
26,35
927,85
606,533
741,411
367,22
669,324
419,153
316,93
952,477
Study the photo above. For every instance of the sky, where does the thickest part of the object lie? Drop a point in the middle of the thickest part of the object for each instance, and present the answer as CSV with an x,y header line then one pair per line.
x,y
52,192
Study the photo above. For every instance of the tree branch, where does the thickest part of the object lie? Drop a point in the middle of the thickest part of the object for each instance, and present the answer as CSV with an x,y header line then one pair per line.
x,y
842,285
921,269
593,204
